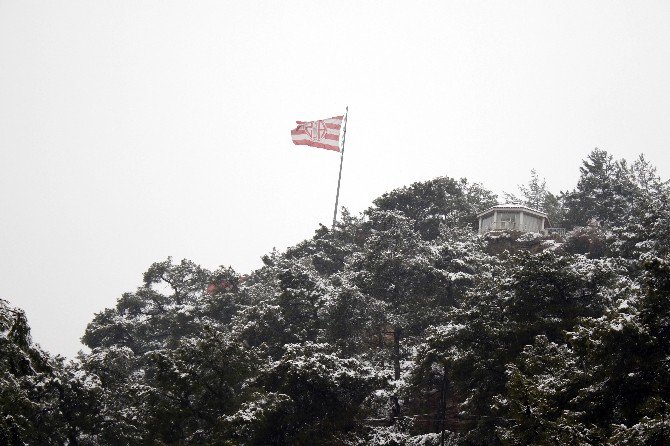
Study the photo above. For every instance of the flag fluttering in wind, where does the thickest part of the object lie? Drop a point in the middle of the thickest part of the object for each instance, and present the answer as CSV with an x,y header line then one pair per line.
x,y
324,133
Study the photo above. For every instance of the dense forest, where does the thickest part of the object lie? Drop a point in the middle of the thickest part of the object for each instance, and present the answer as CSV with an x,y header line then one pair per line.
x,y
400,326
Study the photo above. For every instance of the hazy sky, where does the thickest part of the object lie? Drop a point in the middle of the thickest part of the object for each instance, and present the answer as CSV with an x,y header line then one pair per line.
x,y
135,130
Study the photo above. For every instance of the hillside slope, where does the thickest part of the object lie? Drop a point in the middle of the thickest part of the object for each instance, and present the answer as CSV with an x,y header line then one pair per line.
x,y
401,326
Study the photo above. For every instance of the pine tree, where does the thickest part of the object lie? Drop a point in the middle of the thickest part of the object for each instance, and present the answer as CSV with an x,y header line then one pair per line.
x,y
536,196
391,328
535,193
604,192
442,201
43,399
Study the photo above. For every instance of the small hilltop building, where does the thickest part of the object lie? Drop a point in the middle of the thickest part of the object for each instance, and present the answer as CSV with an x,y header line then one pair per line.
x,y
513,217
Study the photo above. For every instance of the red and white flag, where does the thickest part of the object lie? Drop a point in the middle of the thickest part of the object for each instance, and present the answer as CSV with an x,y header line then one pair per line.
x,y
324,133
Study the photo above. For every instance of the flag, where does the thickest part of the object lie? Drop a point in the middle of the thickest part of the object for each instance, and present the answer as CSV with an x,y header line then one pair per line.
x,y
324,133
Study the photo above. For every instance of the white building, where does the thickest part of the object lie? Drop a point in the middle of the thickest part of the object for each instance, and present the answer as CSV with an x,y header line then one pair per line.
x,y
513,217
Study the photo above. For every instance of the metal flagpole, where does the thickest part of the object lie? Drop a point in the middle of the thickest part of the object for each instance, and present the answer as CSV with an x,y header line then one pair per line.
x,y
339,178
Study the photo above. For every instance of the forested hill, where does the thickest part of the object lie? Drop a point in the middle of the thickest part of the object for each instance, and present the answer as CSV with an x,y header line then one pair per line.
x,y
401,326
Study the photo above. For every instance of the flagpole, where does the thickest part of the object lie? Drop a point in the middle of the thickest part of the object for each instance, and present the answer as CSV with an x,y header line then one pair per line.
x,y
339,178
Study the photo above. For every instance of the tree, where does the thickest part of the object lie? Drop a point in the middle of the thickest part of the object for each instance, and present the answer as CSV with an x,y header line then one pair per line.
x,y
604,192
643,231
535,193
607,382
391,328
442,201
43,399
194,386
522,297
174,301
326,392
536,196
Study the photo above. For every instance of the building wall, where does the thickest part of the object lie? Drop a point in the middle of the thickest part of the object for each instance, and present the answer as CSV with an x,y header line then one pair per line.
x,y
531,223
507,220
511,221
486,223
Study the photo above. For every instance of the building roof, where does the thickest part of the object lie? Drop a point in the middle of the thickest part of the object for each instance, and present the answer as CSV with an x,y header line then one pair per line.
x,y
513,207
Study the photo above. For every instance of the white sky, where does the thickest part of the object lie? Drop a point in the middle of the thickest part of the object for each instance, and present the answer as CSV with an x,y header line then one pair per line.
x,y
130,131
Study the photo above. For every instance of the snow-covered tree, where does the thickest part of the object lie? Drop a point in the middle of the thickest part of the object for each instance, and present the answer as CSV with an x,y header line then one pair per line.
x,y
43,399
399,326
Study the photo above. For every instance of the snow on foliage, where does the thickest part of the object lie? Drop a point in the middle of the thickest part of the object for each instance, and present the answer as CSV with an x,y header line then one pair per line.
x,y
400,326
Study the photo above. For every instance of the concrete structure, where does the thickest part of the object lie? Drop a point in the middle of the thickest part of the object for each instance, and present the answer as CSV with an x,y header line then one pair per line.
x,y
513,217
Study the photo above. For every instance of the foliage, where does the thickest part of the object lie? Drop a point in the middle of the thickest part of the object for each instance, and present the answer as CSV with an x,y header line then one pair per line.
x,y
535,195
400,326
43,399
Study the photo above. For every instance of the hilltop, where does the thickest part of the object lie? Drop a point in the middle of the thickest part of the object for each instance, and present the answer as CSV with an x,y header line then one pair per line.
x,y
399,326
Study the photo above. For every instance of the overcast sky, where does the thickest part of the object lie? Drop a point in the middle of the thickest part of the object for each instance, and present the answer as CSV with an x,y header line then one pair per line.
x,y
135,130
